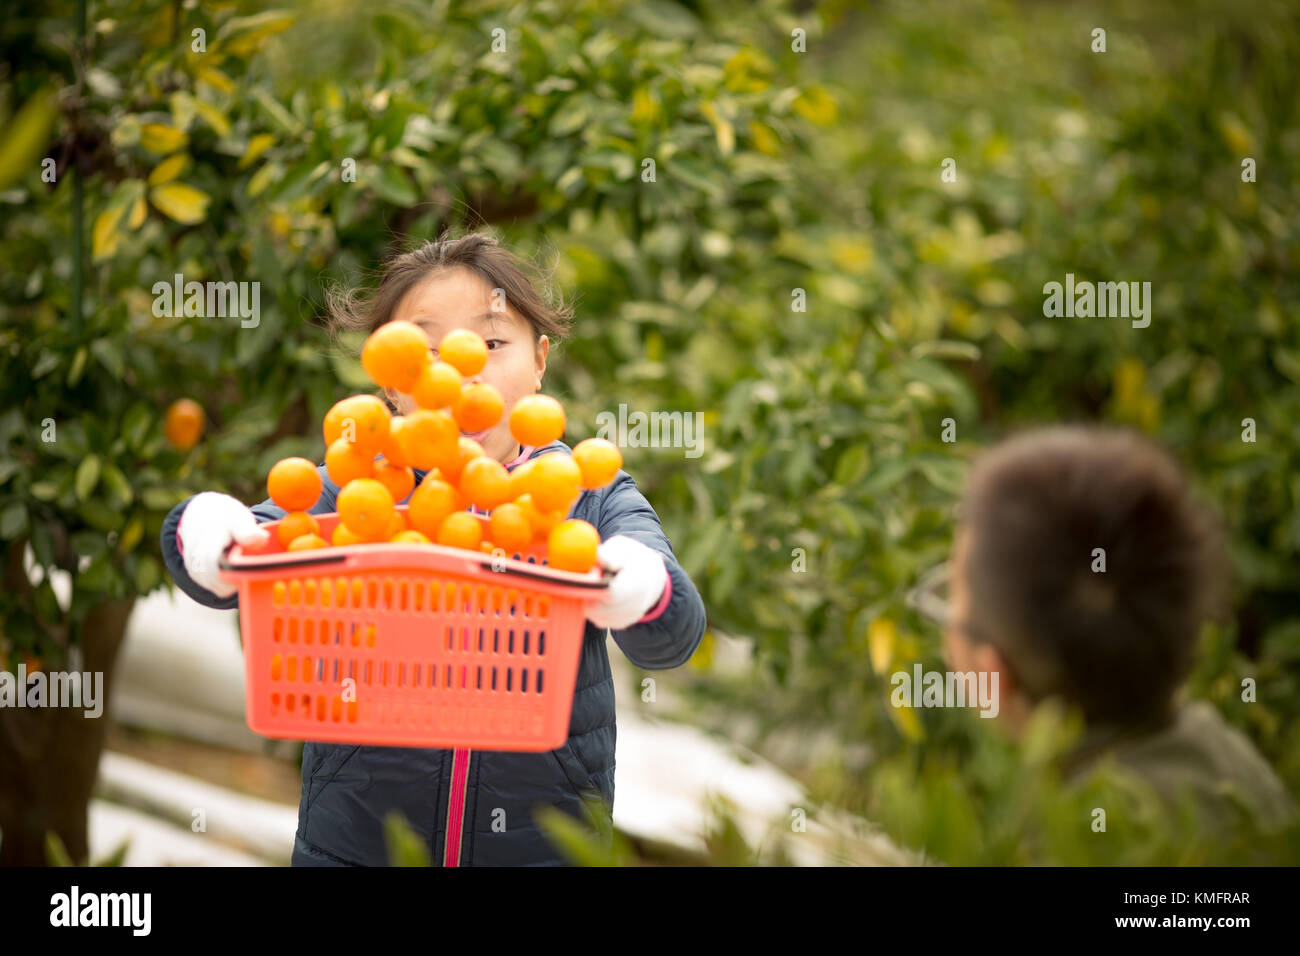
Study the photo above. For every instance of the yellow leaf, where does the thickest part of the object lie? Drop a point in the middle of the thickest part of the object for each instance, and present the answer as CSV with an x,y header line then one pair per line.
x,y
214,78
162,139
214,117
702,659
25,136
881,637
816,105
263,178
139,209
169,169
104,235
852,254
249,32
1130,375
256,147
722,129
645,109
181,202
907,722
765,140
1236,134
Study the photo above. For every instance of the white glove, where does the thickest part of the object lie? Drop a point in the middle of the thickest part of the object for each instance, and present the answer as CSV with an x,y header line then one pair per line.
x,y
640,577
210,523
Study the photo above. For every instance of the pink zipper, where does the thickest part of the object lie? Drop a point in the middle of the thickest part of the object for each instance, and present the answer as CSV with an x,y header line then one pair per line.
x,y
456,806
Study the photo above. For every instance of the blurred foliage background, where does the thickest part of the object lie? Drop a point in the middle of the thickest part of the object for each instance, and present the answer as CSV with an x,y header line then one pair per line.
x,y
798,272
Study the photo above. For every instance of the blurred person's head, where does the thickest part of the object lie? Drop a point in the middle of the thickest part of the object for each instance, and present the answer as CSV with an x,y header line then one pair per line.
x,y
1043,513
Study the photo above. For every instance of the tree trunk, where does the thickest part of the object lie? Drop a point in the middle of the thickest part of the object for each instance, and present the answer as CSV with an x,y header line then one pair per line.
x,y
49,756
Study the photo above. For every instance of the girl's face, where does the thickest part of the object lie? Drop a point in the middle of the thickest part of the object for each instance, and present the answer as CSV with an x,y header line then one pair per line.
x,y
461,299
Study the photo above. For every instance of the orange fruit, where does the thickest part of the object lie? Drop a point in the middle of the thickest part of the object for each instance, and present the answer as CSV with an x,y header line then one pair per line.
x,y
396,526
464,350
432,502
555,482
332,427
373,421
520,478
395,354
305,542
345,462
537,420
485,482
478,407
540,521
400,482
296,524
466,449
344,536
366,507
428,437
598,460
294,484
183,424
409,537
392,450
437,387
363,420
510,528
461,530
571,546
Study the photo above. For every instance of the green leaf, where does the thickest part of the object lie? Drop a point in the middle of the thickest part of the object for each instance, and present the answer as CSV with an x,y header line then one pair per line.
x,y
109,353
98,575
78,364
44,490
56,854
87,476
13,520
161,499
47,363
88,544
135,425
664,19
99,515
391,185
118,487
42,544
118,856
405,848
148,574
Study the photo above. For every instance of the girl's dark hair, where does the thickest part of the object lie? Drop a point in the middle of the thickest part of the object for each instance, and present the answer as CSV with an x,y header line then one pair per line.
x,y
352,310
1120,642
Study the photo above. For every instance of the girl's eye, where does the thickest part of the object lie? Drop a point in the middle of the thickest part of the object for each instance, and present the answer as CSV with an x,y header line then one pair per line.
x,y
497,341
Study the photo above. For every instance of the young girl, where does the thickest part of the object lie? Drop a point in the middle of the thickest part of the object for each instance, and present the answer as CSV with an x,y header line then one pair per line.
x,y
472,808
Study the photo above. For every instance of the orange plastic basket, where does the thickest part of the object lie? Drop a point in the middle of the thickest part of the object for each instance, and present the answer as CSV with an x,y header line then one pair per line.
x,y
409,645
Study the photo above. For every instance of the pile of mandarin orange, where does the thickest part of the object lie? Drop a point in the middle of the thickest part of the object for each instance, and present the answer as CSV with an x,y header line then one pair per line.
x,y
371,455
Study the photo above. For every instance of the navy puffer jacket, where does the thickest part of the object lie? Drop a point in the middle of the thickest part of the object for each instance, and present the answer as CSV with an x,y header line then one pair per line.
x,y
475,808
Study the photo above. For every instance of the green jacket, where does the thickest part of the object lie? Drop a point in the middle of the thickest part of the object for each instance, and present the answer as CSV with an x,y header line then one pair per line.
x,y
1199,754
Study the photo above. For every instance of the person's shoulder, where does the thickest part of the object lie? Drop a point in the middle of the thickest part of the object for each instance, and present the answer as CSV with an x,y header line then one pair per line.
x,y
552,448
1202,749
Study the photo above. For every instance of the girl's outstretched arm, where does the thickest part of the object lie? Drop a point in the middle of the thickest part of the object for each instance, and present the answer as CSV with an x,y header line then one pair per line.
x,y
670,631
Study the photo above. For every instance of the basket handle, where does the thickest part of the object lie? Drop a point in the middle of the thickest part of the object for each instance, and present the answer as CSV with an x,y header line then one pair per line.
x,y
308,560
605,576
